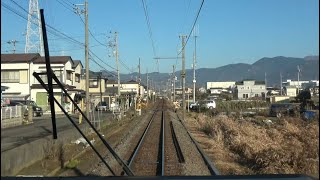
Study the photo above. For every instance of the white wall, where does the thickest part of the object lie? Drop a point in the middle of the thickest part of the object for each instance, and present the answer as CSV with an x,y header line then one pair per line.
x,y
249,88
17,87
225,84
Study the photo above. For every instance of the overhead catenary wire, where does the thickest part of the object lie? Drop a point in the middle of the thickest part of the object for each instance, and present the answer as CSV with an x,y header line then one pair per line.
x,y
194,23
145,9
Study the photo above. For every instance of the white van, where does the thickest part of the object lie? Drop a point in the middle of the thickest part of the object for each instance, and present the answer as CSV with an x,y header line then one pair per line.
x,y
210,104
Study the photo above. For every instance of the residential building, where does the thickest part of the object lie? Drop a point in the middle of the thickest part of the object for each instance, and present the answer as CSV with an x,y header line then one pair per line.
x,y
17,70
129,87
301,84
97,88
223,85
247,89
179,91
290,91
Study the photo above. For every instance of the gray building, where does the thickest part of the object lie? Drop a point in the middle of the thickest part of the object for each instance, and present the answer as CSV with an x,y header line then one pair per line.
x,y
247,89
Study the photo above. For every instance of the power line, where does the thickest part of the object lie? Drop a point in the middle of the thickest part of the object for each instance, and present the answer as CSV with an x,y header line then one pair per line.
x,y
149,26
145,9
64,5
109,72
194,23
50,29
92,34
102,60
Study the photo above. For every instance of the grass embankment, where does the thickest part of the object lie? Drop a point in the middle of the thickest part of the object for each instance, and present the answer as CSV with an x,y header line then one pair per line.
x,y
257,146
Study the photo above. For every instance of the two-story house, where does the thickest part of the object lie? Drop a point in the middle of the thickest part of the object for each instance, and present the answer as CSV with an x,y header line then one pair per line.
x,y
97,87
130,87
251,89
16,73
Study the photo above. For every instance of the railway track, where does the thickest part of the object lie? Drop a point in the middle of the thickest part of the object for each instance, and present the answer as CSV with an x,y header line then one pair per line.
x,y
158,152
160,146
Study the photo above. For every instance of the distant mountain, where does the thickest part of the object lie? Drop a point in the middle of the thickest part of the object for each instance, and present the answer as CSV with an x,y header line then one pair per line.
x,y
312,58
236,72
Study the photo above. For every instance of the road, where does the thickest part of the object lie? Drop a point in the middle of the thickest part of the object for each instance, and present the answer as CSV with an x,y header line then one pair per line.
x,y
41,127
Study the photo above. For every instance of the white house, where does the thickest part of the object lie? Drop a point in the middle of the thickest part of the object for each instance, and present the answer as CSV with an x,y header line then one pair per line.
x,y
130,87
250,89
16,73
290,91
223,85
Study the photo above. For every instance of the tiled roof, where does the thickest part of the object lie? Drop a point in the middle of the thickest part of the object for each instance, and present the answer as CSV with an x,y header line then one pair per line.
x,y
54,60
76,63
19,58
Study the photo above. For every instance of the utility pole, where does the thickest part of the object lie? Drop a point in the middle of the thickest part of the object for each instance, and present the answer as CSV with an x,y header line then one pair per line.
x,y
117,61
87,56
147,87
194,78
265,78
194,64
298,79
183,76
99,78
139,93
174,84
280,84
265,81
85,12
14,45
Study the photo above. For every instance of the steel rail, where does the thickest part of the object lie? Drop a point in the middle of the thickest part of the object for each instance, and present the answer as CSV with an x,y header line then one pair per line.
x,y
213,170
162,139
132,158
176,144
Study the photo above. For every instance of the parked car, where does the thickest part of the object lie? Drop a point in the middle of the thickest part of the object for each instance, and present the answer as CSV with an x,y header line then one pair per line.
x,y
192,105
37,111
210,104
280,109
102,106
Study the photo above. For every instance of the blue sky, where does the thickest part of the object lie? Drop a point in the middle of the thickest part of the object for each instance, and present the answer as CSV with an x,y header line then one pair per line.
x,y
230,31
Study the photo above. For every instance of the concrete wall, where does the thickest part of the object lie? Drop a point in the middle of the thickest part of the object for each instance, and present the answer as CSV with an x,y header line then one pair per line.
x,y
14,160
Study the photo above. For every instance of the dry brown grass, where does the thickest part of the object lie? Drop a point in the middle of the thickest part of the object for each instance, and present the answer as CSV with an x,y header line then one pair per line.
x,y
290,146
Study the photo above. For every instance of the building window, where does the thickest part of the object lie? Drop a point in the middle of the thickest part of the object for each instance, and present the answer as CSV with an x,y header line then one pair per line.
x,y
256,95
248,87
10,76
69,75
44,78
245,96
93,84
77,78
58,73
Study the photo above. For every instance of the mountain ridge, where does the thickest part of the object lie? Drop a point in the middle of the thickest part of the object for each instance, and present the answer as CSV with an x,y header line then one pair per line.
x,y
272,67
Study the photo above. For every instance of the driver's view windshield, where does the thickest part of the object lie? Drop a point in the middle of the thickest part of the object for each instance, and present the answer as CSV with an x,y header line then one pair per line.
x,y
187,88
